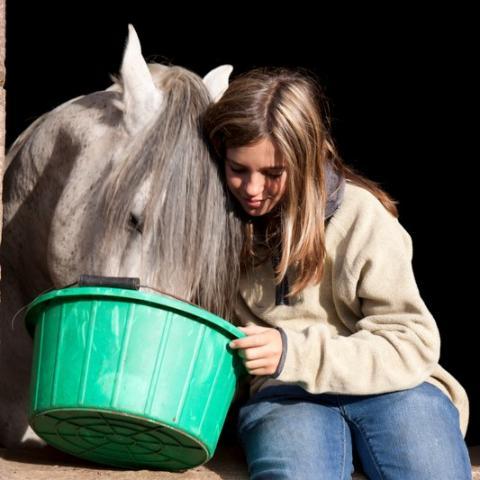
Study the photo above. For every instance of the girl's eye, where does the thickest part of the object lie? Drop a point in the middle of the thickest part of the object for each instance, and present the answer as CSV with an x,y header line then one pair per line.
x,y
271,174
277,174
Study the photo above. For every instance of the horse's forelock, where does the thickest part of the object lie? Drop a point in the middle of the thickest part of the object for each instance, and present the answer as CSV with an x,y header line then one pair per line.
x,y
185,98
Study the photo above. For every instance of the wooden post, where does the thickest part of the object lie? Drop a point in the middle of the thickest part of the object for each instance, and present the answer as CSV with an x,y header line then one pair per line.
x,y
2,101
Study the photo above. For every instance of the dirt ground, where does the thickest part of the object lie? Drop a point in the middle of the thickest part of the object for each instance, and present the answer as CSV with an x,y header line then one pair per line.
x,y
51,464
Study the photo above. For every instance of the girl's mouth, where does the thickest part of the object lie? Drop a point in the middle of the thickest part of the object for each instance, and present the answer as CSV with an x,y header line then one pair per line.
x,y
254,203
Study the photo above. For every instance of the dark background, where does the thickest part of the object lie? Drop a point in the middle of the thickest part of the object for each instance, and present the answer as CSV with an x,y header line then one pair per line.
x,y
398,85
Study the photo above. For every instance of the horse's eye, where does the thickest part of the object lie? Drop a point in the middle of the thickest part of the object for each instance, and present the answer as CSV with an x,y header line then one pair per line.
x,y
135,222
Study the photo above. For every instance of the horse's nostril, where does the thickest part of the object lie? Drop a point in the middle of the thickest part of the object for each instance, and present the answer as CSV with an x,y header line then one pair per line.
x,y
135,222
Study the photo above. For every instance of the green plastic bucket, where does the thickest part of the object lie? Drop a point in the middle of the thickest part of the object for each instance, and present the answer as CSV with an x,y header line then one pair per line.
x,y
130,379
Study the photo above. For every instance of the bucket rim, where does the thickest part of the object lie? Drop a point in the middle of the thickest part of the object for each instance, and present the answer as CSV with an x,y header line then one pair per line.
x,y
121,294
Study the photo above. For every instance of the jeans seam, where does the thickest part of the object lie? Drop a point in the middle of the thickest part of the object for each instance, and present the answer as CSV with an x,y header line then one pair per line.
x,y
342,413
372,453
342,473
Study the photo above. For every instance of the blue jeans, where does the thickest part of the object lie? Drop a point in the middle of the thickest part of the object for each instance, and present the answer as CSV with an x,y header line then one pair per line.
x,y
288,433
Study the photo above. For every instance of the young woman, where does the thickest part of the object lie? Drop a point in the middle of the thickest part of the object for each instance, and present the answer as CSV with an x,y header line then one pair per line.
x,y
341,349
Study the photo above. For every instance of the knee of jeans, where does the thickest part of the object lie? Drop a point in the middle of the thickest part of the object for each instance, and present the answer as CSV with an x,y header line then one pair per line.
x,y
288,414
252,412
430,397
424,409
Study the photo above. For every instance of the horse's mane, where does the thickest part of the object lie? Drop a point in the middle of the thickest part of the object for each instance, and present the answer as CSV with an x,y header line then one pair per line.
x,y
189,232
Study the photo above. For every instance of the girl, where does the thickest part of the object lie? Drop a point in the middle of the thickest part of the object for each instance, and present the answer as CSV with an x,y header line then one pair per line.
x,y
341,349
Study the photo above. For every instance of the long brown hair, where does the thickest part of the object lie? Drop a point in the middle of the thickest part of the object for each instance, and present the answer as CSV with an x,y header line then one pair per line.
x,y
289,108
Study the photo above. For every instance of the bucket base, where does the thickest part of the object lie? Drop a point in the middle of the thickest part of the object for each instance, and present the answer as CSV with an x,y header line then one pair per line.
x,y
119,439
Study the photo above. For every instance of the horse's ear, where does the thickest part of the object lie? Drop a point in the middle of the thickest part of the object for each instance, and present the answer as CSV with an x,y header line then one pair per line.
x,y
141,99
216,81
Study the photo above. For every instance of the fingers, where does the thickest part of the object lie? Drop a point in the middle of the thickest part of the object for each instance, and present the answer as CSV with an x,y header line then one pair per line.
x,y
253,353
260,367
248,342
260,350
253,364
254,339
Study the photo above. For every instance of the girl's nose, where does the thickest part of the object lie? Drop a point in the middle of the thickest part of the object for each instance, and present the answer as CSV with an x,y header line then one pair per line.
x,y
253,186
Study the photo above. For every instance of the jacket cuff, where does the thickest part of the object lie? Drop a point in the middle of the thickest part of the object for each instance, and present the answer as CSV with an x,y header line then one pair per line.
x,y
281,362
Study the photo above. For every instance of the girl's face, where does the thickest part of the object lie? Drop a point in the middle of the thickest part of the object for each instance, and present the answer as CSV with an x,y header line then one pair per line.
x,y
256,175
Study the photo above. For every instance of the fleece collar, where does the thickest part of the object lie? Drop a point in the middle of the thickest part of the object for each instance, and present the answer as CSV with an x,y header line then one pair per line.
x,y
336,189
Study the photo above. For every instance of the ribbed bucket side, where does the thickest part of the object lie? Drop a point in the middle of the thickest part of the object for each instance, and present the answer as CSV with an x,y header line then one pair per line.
x,y
144,363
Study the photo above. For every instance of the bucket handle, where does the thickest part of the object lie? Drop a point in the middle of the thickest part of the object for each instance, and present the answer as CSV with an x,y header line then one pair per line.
x,y
130,283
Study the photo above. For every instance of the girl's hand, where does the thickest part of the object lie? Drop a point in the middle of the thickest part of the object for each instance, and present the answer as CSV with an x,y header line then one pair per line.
x,y
261,349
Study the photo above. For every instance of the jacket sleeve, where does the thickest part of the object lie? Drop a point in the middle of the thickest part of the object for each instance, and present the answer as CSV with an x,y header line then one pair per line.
x,y
395,342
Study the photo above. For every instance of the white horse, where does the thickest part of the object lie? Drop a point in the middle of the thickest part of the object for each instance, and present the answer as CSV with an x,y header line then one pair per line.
x,y
115,183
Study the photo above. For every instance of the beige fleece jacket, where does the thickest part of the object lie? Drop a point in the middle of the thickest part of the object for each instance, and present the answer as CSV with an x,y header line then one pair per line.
x,y
365,328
